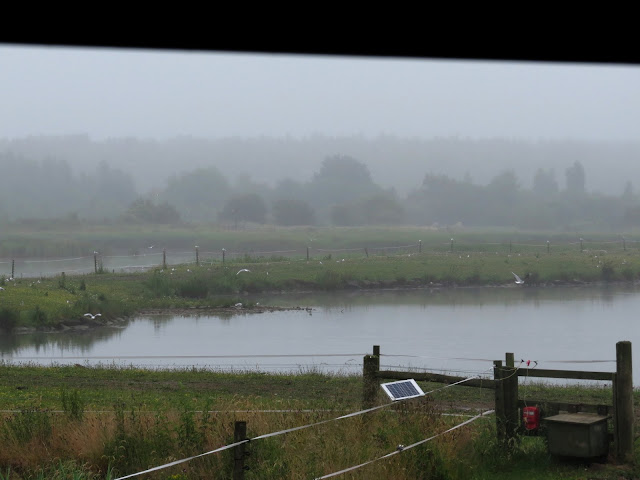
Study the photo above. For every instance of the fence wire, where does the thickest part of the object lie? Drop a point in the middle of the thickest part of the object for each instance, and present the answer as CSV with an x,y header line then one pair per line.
x,y
136,262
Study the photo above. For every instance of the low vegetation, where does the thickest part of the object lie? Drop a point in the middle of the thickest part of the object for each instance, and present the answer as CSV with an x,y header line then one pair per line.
x,y
103,422
52,302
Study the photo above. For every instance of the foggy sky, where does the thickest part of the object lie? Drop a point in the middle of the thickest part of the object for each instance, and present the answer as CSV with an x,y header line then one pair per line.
x,y
163,94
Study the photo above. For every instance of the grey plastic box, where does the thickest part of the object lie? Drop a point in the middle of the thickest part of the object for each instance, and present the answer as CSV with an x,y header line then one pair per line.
x,y
577,434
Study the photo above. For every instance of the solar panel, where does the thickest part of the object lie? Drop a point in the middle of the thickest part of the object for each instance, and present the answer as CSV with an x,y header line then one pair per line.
x,y
402,389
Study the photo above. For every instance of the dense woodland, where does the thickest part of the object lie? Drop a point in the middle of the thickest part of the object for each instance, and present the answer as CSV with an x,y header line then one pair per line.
x,y
77,180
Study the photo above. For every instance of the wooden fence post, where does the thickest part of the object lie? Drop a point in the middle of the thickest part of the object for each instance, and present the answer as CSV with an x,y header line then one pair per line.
x,y
95,262
307,254
499,400
511,398
223,252
419,246
13,268
164,258
370,369
197,256
623,402
239,434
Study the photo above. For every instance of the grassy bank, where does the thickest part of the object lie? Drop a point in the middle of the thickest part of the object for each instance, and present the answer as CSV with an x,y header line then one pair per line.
x,y
103,422
53,301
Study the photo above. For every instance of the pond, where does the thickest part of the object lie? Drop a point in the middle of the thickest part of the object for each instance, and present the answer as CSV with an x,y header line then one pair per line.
x,y
458,331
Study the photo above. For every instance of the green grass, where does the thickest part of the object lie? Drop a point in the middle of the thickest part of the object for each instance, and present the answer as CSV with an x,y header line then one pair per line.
x,y
48,302
79,422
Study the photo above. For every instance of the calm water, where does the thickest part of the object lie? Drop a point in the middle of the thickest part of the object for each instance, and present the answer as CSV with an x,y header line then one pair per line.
x,y
459,331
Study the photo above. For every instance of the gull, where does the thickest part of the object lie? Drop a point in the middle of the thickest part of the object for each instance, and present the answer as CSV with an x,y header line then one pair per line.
x,y
519,281
238,305
243,270
92,316
1,288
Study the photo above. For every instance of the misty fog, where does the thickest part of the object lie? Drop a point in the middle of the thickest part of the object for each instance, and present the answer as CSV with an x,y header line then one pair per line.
x,y
167,136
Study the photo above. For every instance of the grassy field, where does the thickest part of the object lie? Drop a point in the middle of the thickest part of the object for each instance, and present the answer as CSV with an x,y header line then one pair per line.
x,y
99,422
52,301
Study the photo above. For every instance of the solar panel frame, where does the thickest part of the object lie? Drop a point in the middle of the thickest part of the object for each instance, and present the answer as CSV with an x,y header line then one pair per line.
x,y
402,389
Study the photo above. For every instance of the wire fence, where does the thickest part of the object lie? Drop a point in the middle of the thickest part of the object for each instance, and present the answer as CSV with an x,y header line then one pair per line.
x,y
137,262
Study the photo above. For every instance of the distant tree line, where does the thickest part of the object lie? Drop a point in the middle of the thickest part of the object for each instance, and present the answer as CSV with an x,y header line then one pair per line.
x,y
341,193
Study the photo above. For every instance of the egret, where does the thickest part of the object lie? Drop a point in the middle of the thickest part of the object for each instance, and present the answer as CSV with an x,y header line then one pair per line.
x,y
243,270
519,281
92,316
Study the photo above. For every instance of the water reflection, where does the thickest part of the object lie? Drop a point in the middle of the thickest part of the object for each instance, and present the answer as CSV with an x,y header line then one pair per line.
x,y
41,343
457,330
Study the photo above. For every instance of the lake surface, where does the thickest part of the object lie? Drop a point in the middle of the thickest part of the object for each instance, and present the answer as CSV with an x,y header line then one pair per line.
x,y
458,331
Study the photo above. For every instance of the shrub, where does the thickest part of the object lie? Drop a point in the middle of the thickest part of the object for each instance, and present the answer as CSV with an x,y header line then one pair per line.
x,y
8,319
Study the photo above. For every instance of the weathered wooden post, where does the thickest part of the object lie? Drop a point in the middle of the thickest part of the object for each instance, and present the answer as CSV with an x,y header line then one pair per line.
x,y
511,398
548,250
95,262
419,246
307,254
197,256
164,258
370,369
223,252
624,245
239,434
452,244
13,268
498,374
623,402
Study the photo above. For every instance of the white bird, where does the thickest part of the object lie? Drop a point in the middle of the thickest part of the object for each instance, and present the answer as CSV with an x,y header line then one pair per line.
x,y
1,288
243,270
238,305
93,316
519,281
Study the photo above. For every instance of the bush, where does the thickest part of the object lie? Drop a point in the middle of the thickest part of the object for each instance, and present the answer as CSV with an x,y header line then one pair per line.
x,y
193,288
8,319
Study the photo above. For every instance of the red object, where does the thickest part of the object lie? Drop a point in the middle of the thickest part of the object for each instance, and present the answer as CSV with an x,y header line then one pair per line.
x,y
531,418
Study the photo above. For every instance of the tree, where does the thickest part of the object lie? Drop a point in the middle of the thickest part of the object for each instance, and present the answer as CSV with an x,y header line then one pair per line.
x,y
198,194
544,183
627,194
291,211
145,211
341,179
575,178
343,215
381,209
249,208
